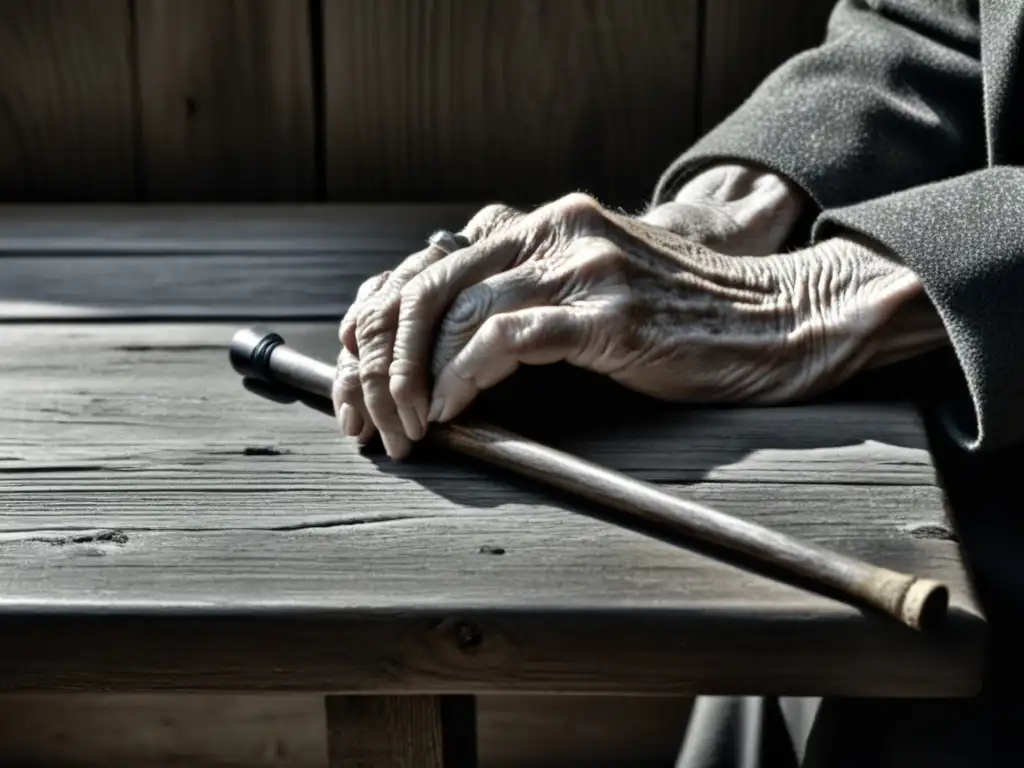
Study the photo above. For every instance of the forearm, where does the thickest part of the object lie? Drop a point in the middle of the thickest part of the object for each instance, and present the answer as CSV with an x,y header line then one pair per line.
x,y
733,208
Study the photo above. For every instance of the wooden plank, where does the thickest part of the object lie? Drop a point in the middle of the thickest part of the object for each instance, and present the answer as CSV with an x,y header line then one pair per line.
x,y
126,412
744,40
384,732
267,730
420,609
226,99
260,522
225,261
581,731
153,731
309,285
224,229
517,101
400,732
66,101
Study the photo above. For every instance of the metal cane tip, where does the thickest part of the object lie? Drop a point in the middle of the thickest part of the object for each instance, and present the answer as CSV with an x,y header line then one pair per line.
x,y
250,351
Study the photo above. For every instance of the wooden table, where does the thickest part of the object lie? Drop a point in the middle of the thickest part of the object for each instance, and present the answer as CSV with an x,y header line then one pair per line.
x,y
162,529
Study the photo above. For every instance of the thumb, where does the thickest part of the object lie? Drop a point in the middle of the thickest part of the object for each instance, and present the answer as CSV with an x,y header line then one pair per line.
x,y
535,336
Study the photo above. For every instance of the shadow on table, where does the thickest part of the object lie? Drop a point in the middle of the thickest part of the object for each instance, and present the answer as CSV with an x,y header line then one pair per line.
x,y
562,405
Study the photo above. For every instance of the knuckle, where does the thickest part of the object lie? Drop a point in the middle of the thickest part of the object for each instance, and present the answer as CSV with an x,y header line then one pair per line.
x,y
372,285
373,320
468,309
414,293
404,389
491,218
373,366
424,295
576,208
347,385
600,259
348,382
501,331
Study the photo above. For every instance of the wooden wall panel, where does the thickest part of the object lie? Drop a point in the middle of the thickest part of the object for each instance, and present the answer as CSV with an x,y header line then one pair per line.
x,y
744,40
226,99
520,101
66,112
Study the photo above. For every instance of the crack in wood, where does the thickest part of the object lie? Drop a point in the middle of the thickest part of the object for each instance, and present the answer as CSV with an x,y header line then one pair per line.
x,y
170,348
383,519
263,451
69,536
931,531
61,539
48,468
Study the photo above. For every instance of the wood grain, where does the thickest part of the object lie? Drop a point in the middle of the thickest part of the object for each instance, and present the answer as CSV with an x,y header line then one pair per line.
x,y
226,99
267,730
95,262
744,40
517,101
132,411
224,229
66,101
154,731
384,732
580,731
140,480
396,732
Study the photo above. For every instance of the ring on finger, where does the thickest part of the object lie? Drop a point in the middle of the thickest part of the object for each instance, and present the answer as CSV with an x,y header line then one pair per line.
x,y
448,241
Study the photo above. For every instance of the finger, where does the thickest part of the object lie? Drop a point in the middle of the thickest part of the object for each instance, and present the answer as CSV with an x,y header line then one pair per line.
x,y
392,281
375,336
490,220
347,394
424,301
347,329
536,336
527,285
487,221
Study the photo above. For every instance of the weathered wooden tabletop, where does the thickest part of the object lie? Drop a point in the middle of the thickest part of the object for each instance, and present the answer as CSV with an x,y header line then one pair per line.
x,y
164,529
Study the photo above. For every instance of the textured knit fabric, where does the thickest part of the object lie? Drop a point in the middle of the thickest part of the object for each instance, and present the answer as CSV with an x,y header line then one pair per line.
x,y
897,126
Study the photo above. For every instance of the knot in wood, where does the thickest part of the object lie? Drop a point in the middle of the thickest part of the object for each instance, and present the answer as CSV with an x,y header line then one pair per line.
x,y
468,636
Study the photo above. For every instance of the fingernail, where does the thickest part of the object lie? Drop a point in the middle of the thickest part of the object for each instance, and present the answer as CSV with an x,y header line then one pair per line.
x,y
396,445
436,409
410,422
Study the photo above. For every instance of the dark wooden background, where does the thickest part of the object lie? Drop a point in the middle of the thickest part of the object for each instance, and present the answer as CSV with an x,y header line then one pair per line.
x,y
372,100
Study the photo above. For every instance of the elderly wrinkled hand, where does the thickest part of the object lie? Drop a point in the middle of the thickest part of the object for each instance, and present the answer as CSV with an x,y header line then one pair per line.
x,y
657,312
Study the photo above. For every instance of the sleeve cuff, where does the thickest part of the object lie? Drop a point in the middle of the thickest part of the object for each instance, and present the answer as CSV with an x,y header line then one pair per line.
x,y
964,239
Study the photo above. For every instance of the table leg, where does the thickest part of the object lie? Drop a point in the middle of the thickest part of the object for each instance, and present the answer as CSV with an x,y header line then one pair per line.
x,y
401,731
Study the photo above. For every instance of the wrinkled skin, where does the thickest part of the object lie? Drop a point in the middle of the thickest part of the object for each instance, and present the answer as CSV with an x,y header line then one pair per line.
x,y
733,209
645,301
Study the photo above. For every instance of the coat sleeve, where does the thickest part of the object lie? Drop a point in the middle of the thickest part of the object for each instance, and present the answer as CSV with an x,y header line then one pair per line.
x,y
882,127
964,239
892,99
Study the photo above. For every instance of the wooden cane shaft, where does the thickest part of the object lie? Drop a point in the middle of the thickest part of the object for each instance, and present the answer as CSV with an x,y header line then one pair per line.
x,y
912,600
908,598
